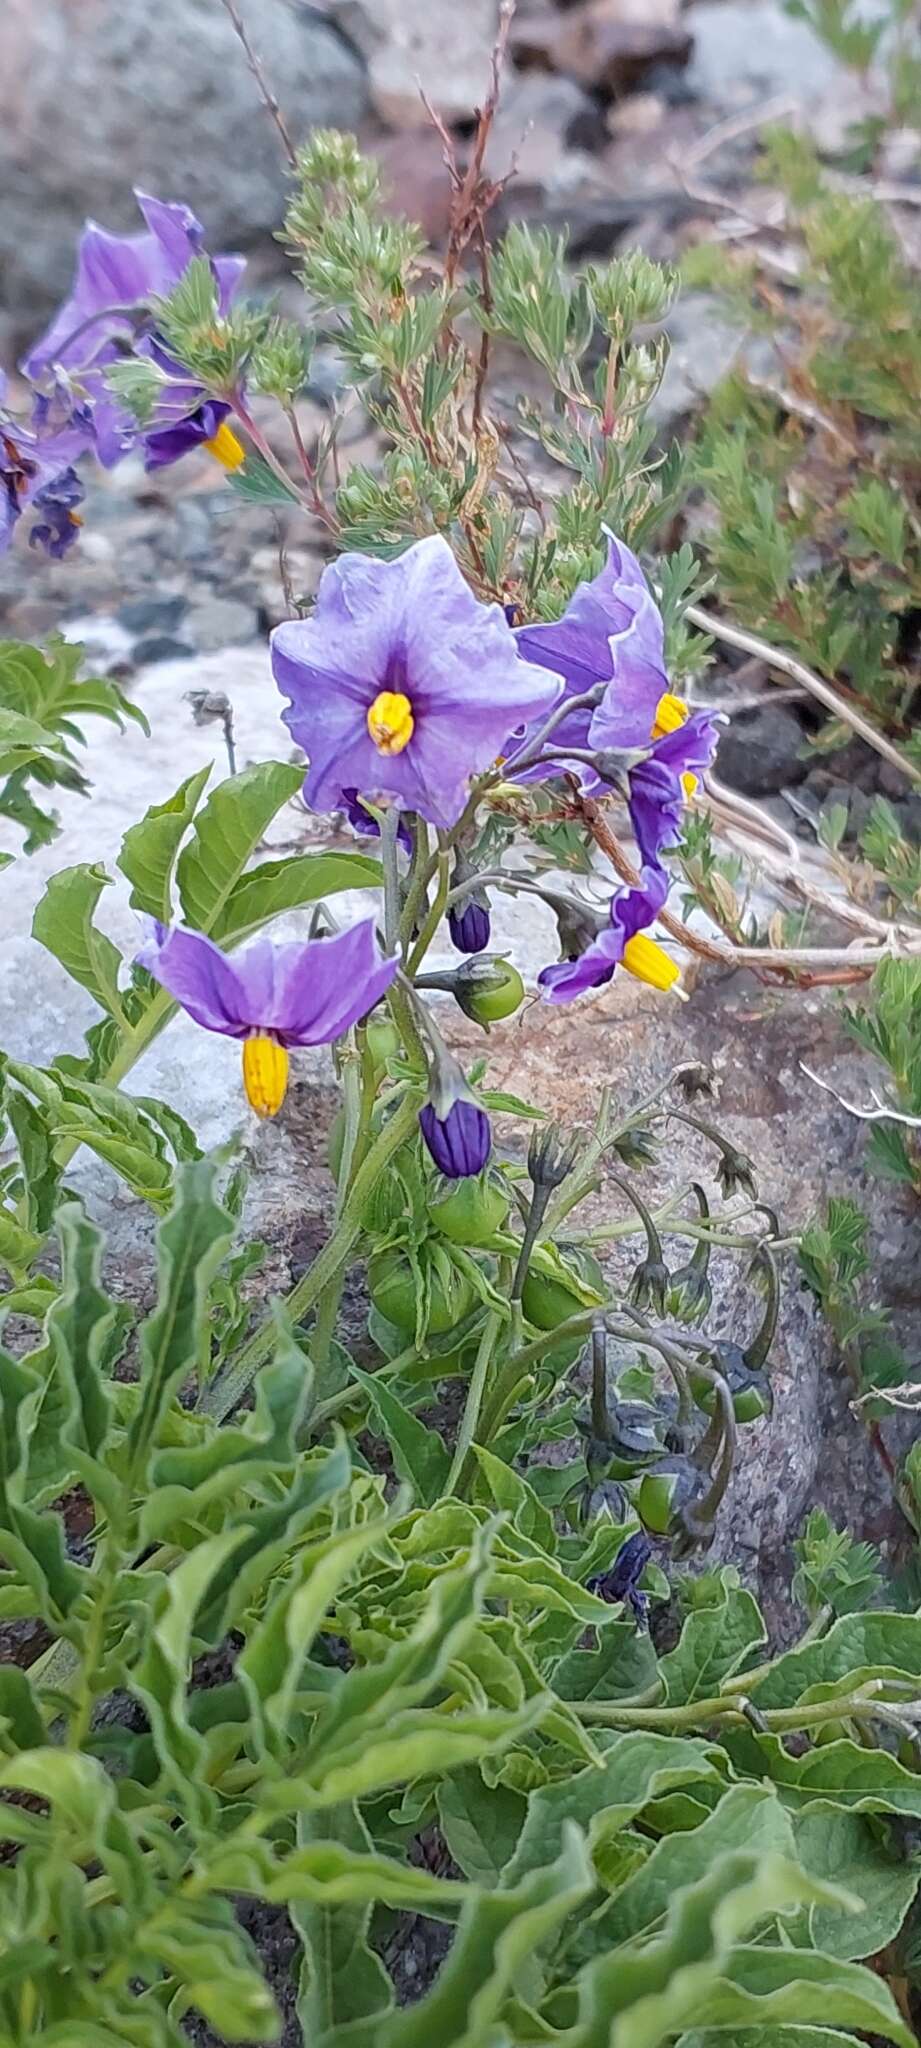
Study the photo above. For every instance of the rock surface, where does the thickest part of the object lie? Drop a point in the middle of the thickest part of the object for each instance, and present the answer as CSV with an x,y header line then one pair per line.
x,y
100,95
433,44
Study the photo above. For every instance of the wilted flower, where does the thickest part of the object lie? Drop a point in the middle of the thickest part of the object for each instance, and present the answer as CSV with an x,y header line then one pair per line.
x,y
622,942
659,786
271,996
649,1285
403,683
116,277
36,470
611,632
455,1128
550,1157
622,1580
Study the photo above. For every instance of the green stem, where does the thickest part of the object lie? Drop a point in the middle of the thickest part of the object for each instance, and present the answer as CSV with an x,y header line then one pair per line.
x,y
419,872
433,916
701,1713
471,1416
225,1393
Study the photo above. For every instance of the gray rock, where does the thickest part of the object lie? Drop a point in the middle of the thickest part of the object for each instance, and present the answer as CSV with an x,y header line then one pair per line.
x,y
215,622
746,48
96,99
763,751
161,647
151,614
433,44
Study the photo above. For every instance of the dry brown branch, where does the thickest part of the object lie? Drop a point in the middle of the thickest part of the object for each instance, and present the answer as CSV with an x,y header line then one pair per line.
x,y
265,91
880,1112
788,665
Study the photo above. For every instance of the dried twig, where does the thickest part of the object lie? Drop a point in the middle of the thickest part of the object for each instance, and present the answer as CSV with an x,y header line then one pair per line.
x,y
880,1112
265,91
788,665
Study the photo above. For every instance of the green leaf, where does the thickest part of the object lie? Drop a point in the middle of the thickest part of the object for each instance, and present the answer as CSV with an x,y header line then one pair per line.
x,y
748,1817
499,1932
226,833
845,1849
768,1987
159,1679
859,1780
80,1328
480,1824
772,2037
858,1643
63,922
341,1978
149,849
635,1769
279,885
650,1992
258,483
418,1453
715,1642
191,1243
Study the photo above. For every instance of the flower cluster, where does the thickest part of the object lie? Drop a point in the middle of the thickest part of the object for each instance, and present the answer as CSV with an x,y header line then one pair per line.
x,y
410,697
110,311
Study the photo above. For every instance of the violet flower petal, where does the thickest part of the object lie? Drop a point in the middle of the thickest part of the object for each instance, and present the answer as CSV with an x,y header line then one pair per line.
x,y
413,627
632,910
459,1143
304,993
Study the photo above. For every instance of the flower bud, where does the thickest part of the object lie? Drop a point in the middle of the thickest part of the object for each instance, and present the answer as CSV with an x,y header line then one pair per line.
x,y
550,1157
469,923
636,1147
455,1128
621,1581
689,1295
488,990
649,1285
736,1172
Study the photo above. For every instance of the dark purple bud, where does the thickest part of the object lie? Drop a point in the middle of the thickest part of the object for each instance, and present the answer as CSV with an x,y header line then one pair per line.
x,y
459,1142
622,1581
469,924
58,527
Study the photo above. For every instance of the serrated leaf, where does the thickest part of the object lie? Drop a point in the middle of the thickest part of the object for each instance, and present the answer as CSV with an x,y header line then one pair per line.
x,y
764,1987
63,923
149,849
748,1817
159,1679
226,834
859,1780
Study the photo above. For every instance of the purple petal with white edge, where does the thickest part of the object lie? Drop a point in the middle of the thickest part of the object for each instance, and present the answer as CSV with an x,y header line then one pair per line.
x,y
632,910
304,992
413,627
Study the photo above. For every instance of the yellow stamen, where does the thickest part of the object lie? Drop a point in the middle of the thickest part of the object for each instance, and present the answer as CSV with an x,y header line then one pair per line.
x,y
391,722
265,1073
671,713
649,962
225,448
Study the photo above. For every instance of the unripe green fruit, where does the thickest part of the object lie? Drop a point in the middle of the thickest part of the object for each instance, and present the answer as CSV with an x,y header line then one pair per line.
x,y
471,1210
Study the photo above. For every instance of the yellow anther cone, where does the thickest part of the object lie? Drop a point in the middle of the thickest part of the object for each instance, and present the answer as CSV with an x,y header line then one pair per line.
x,y
265,1073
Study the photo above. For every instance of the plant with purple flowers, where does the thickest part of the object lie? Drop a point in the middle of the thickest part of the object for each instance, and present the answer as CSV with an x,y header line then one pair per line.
x,y
436,1635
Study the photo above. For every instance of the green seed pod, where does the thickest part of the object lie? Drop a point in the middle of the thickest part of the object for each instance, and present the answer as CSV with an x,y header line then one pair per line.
x,y
397,1289
664,1491
559,1284
470,1211
488,989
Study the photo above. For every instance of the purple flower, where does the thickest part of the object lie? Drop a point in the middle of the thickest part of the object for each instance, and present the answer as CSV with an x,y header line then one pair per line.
x,y
271,996
622,1580
362,821
622,942
611,632
35,469
469,923
59,525
117,276
402,683
659,786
